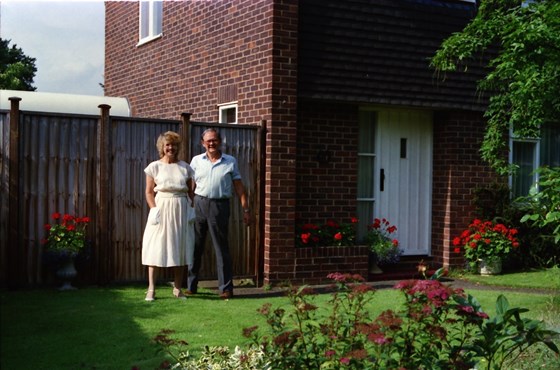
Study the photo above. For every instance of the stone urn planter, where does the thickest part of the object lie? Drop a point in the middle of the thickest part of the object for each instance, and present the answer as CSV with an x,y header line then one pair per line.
x,y
490,266
67,272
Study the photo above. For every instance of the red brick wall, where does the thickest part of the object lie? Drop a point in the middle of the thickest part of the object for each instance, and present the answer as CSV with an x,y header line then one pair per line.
x,y
209,49
457,171
326,189
312,265
279,229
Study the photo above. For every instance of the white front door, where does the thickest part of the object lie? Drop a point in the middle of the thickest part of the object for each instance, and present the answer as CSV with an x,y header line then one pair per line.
x,y
403,189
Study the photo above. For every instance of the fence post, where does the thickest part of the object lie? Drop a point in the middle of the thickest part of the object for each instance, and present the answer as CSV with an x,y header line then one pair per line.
x,y
104,230
185,136
16,265
259,257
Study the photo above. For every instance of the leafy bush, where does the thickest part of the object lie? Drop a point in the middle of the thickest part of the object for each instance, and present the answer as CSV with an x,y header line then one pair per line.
x,y
439,328
218,358
494,202
543,204
486,240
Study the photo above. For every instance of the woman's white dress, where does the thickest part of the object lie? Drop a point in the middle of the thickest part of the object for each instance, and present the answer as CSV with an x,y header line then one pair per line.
x,y
171,241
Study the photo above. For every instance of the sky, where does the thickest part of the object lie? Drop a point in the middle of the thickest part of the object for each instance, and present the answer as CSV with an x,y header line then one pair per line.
x,y
65,37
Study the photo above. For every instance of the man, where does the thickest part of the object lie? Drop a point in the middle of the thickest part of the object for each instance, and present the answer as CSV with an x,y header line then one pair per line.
x,y
216,176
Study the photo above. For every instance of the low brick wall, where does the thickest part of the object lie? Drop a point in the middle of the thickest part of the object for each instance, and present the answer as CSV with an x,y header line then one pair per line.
x,y
312,265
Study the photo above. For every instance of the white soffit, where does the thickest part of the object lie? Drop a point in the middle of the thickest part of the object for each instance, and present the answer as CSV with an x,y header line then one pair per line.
x,y
64,103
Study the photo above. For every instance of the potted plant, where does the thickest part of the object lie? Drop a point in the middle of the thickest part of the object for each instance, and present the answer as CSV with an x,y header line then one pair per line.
x,y
65,238
485,244
383,246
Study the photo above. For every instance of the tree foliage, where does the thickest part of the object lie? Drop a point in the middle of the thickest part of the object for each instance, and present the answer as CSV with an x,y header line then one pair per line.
x,y
523,79
17,70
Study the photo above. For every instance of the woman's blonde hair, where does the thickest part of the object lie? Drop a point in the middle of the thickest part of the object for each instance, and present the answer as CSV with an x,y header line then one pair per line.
x,y
167,137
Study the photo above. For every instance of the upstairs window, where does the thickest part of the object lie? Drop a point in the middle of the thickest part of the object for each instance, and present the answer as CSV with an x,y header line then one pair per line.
x,y
228,113
150,20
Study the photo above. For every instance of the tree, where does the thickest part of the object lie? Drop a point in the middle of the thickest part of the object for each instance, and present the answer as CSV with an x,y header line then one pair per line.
x,y
523,82
17,70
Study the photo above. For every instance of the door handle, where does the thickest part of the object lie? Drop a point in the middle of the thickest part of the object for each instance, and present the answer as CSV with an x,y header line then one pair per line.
x,y
382,180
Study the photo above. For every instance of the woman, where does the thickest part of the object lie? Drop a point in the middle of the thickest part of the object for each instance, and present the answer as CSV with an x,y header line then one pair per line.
x,y
169,234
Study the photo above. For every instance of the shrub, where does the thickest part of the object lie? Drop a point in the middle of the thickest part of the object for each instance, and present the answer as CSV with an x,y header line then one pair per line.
x,y
542,212
486,240
494,203
439,328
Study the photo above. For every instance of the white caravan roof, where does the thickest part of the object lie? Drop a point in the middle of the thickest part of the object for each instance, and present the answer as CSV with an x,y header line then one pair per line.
x,y
64,103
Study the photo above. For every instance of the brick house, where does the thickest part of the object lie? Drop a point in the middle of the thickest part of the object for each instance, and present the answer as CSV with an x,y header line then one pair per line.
x,y
357,122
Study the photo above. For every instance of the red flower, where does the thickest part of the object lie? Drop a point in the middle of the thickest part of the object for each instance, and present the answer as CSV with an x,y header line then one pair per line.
x,y
47,227
56,215
457,250
338,236
354,220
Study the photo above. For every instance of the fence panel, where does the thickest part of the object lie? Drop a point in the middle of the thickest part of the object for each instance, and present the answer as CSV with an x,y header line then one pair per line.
x,y
242,142
133,148
4,192
57,174
58,161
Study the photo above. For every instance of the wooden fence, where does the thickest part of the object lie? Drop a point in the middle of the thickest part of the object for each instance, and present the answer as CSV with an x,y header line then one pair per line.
x,y
93,166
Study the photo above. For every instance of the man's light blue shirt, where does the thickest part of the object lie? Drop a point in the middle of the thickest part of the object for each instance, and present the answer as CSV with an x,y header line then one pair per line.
x,y
215,180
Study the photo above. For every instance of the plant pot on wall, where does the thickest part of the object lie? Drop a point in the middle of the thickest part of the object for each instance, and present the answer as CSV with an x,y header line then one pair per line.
x,y
490,266
373,266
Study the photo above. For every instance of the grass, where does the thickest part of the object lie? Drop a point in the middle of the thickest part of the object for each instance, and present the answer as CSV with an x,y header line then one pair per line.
x,y
112,328
533,279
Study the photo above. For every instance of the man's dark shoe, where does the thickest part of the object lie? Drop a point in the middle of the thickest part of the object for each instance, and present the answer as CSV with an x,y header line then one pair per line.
x,y
188,292
227,294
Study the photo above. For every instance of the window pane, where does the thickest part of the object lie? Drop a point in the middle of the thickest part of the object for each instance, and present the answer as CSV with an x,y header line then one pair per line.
x,y
366,177
365,217
523,155
156,17
144,19
366,171
550,145
366,139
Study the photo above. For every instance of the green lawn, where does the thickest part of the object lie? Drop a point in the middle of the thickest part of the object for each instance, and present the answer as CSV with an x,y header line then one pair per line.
x,y
112,328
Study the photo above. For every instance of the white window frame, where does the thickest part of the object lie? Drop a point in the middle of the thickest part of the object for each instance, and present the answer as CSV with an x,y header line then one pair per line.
x,y
222,108
536,155
150,20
